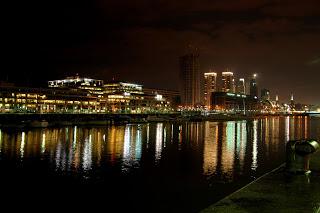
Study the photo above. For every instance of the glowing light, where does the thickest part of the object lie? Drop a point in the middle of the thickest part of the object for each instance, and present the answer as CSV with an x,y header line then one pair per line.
x,y
231,94
22,144
230,135
164,136
74,137
126,146
87,154
159,134
58,154
138,147
148,134
158,97
172,133
210,74
243,143
254,164
210,148
43,143
227,73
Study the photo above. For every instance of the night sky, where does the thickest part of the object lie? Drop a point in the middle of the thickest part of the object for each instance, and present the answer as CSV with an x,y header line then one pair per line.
x,y
141,41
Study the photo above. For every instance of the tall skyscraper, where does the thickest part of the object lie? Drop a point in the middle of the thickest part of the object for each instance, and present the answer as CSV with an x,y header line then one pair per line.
x,y
241,88
210,86
254,87
190,79
227,81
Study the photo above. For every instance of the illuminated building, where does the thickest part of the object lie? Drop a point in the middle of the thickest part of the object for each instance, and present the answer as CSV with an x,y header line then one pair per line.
x,y
241,88
190,79
170,95
92,86
75,82
39,100
122,87
122,97
235,102
227,81
82,98
210,86
254,87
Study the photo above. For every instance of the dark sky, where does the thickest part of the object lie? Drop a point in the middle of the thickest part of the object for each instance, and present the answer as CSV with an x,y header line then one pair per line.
x,y
141,41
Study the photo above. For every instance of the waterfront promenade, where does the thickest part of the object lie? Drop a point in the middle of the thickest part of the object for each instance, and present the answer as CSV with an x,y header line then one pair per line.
x,y
276,192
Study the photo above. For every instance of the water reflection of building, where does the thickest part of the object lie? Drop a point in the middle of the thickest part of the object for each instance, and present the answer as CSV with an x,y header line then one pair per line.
x,y
224,148
210,148
159,140
216,147
254,163
132,147
228,145
241,143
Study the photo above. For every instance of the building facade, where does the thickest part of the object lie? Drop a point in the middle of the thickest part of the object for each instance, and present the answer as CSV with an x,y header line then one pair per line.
x,y
210,86
254,87
227,81
52,100
234,102
241,86
80,95
190,80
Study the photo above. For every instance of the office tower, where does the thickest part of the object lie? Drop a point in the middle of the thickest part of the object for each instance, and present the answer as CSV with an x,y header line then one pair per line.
x,y
190,79
265,95
210,86
241,88
254,87
227,81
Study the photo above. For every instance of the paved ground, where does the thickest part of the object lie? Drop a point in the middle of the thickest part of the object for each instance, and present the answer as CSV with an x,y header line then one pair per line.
x,y
276,192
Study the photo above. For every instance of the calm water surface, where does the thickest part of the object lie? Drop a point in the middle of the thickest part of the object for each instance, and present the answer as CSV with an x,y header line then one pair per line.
x,y
155,167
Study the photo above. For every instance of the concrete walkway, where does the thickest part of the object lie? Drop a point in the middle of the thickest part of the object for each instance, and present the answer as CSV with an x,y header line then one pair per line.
x,y
276,192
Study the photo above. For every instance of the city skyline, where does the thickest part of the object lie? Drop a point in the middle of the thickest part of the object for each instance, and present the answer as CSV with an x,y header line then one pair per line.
x,y
140,42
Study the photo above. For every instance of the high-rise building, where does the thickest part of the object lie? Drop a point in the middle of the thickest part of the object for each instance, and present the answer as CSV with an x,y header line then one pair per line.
x,y
227,81
254,87
241,88
210,86
265,94
190,79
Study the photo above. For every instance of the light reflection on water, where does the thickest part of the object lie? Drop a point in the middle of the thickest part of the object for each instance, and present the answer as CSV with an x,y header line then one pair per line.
x,y
197,161
225,147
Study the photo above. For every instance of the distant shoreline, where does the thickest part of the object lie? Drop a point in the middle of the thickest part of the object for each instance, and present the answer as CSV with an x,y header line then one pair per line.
x,y
44,120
